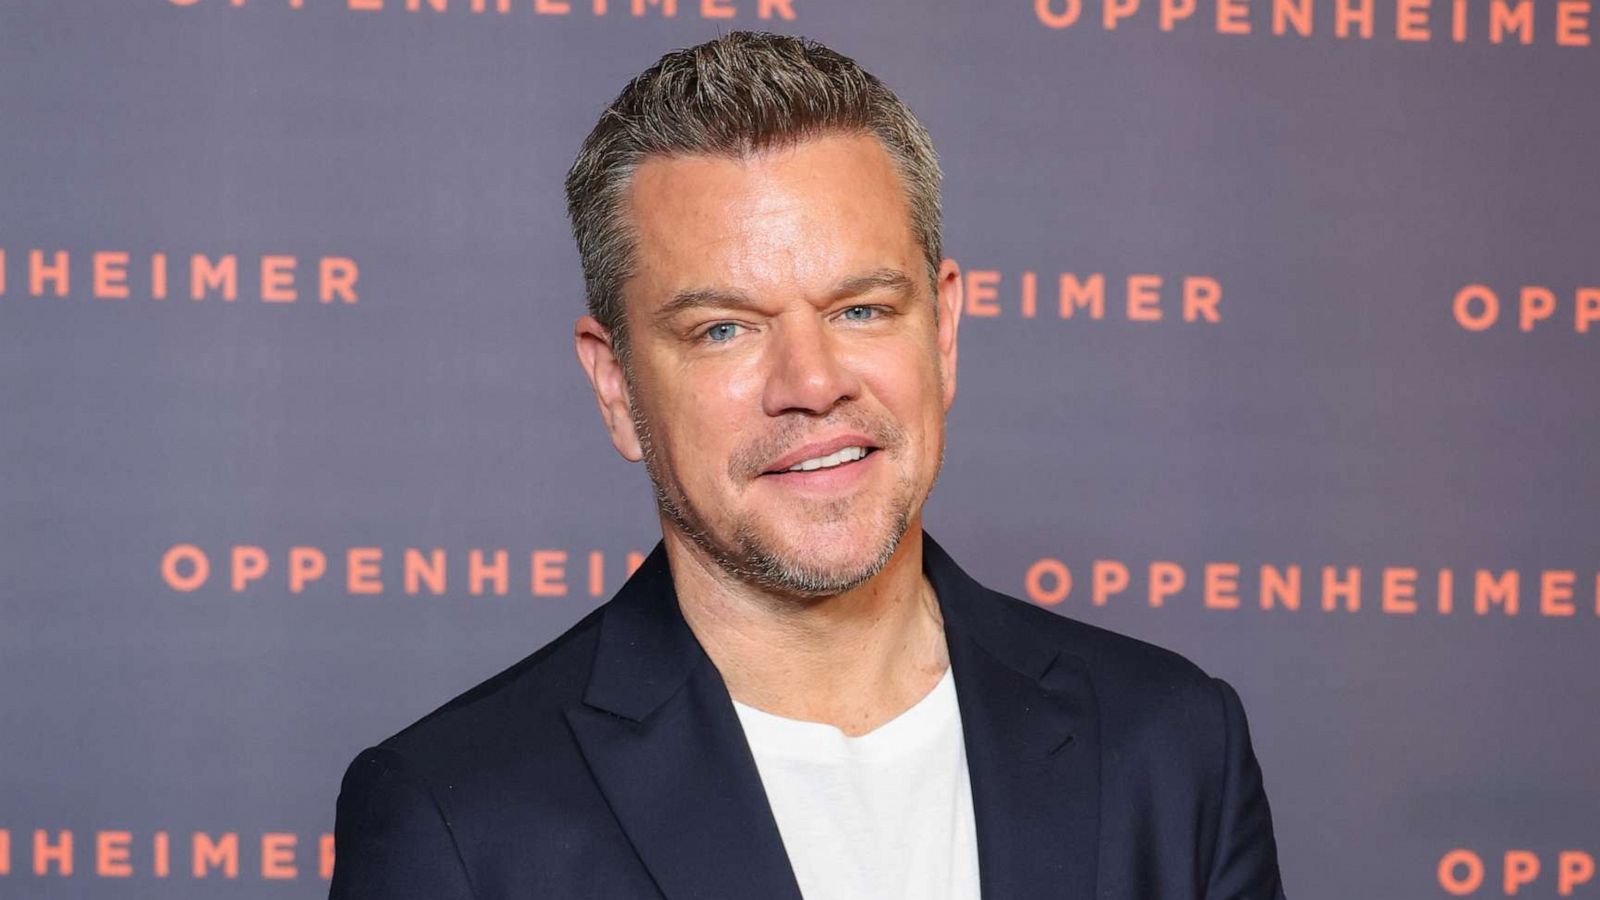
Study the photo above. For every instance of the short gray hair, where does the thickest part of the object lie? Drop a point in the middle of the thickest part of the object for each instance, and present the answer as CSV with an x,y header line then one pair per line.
x,y
735,95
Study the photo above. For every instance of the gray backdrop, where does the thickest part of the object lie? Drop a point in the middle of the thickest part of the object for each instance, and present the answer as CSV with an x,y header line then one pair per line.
x,y
1350,409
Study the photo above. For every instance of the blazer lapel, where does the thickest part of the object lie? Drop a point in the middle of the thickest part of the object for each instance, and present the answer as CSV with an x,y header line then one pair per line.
x,y
1031,728
660,734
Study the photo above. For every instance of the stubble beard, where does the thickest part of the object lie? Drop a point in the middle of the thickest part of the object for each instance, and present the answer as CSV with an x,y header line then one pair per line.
x,y
746,554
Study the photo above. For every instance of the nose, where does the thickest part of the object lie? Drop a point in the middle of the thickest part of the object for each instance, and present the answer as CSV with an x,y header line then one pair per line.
x,y
806,372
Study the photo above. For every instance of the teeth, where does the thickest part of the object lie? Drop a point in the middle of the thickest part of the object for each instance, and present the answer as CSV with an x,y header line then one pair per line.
x,y
838,458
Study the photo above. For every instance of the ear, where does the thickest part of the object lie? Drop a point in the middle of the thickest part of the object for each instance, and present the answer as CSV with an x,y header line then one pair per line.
x,y
600,363
947,294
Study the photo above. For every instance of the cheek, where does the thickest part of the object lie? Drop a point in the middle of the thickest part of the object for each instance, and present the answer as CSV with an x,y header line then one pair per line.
x,y
706,418
909,374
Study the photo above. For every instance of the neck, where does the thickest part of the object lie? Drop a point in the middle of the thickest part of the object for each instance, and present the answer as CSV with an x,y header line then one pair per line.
x,y
854,660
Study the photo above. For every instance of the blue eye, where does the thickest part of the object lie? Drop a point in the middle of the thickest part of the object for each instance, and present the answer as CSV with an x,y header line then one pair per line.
x,y
721,332
865,309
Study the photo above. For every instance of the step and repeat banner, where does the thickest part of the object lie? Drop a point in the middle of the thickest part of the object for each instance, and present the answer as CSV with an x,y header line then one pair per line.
x,y
1281,349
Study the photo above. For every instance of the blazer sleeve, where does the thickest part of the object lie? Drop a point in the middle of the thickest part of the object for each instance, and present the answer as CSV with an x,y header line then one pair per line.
x,y
1244,865
391,838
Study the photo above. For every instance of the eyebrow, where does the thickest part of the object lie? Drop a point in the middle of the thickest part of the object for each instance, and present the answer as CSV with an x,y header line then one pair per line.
x,y
855,285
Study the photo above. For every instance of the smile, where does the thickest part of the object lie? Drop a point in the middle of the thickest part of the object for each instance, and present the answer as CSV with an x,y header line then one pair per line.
x,y
837,458
845,469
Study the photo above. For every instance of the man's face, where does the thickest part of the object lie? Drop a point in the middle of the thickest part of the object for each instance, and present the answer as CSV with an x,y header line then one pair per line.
x,y
781,315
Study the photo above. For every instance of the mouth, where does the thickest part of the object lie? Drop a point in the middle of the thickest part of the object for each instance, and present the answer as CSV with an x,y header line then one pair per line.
x,y
836,454
842,471
844,457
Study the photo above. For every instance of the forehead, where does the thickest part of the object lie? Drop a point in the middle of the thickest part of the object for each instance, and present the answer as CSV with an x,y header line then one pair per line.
x,y
785,219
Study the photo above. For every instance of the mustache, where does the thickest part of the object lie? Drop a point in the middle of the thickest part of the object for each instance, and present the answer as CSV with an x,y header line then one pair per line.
x,y
749,462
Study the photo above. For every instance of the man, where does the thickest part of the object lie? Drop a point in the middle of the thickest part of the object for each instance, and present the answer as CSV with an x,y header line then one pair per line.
x,y
798,693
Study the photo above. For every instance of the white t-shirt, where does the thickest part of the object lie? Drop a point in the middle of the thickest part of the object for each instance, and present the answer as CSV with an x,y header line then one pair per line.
x,y
882,816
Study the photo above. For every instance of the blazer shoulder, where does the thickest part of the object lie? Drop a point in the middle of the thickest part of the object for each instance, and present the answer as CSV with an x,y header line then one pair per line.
x,y
1156,706
497,713
1109,655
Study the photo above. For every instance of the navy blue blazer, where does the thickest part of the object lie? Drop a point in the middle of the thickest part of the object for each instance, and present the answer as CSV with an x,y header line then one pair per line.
x,y
611,764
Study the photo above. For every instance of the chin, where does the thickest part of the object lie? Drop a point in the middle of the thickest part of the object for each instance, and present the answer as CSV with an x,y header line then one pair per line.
x,y
824,560
800,550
